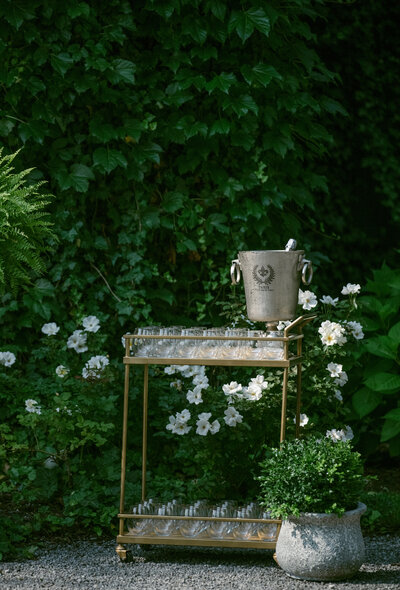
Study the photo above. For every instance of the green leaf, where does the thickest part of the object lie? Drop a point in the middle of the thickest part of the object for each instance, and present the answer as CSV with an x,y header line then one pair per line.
x,y
103,131
240,105
133,128
183,243
152,152
35,129
195,129
221,82
365,401
259,19
173,202
332,106
44,287
370,325
151,218
195,29
100,243
15,14
124,308
391,426
264,74
122,70
382,346
80,9
6,126
394,333
221,126
218,9
383,310
107,159
61,174
61,62
163,294
218,220
242,24
393,414
384,382
79,177
204,53
249,103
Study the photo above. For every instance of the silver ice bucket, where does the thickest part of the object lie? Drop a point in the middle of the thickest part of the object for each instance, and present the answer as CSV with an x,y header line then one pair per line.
x,y
271,281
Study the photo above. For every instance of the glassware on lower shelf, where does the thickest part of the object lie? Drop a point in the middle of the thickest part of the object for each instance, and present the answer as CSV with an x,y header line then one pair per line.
x,y
267,531
194,528
221,529
165,526
140,526
247,530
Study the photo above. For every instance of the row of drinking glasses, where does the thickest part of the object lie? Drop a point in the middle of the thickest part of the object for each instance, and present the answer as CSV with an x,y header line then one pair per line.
x,y
198,528
183,347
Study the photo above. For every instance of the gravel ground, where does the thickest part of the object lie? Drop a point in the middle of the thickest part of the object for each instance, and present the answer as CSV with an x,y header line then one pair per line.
x,y
89,565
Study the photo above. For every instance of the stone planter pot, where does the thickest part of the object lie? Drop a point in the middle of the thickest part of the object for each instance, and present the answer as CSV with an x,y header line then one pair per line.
x,y
321,546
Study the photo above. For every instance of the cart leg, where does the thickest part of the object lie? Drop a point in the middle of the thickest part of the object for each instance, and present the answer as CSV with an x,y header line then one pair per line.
x,y
144,435
121,551
284,403
124,554
298,388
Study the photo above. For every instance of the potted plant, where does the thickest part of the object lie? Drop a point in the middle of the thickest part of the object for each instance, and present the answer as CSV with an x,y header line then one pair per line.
x,y
313,484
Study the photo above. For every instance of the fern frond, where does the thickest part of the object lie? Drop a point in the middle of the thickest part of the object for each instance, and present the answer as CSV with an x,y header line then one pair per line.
x,y
25,225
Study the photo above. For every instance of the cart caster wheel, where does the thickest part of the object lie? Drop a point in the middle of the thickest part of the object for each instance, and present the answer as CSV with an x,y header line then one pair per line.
x,y
124,555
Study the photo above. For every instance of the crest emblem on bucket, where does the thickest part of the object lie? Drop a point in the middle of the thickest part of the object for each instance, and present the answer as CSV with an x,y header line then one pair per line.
x,y
264,276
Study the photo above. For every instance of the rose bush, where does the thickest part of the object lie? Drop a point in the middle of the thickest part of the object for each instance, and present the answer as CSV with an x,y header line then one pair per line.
x,y
214,418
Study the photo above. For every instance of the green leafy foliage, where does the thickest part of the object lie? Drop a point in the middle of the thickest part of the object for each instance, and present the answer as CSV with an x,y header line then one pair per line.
x,y
173,135
59,446
383,512
376,401
361,222
164,135
25,227
311,475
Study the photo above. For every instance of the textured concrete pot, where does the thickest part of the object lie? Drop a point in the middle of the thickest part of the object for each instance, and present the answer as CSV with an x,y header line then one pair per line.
x,y
321,546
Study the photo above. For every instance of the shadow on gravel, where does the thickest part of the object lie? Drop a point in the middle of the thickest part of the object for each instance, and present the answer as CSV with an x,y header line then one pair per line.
x,y
261,559
208,556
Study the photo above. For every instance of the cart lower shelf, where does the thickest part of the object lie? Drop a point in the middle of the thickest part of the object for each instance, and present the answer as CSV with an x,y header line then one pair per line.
x,y
195,542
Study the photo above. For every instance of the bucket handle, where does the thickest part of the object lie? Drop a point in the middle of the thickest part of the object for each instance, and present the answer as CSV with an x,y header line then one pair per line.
x,y
235,272
307,272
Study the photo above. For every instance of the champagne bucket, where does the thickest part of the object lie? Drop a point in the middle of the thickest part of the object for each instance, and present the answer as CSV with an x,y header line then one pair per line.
x,y
271,282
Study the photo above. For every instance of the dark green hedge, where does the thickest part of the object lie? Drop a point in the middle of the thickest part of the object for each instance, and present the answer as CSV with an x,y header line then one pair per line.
x,y
358,41
172,134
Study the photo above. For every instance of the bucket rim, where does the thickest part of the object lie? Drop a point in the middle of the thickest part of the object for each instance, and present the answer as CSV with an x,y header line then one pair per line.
x,y
269,251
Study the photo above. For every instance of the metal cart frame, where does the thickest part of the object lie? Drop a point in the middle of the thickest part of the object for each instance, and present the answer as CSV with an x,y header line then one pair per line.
x,y
292,333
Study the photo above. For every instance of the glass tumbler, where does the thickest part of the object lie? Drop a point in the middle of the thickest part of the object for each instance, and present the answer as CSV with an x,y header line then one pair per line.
x,y
147,346
266,531
246,530
140,526
221,529
164,526
193,528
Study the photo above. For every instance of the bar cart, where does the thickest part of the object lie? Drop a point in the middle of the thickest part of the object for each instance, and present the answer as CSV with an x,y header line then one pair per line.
x,y
290,344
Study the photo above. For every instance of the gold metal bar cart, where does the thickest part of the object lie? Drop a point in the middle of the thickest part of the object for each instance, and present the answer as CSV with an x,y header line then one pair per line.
x,y
293,333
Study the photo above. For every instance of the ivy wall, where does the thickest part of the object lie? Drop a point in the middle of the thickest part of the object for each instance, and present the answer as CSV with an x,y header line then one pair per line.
x,y
173,134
